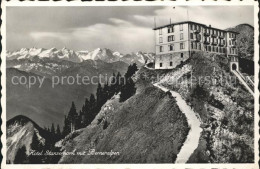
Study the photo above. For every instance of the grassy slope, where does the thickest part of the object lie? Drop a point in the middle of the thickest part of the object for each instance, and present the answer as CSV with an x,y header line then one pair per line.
x,y
147,128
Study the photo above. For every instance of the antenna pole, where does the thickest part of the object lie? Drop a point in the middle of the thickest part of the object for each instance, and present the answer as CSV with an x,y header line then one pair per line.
x,y
187,13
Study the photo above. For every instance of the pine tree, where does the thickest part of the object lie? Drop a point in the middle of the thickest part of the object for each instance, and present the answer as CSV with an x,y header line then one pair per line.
x,y
127,90
113,85
86,113
99,93
105,94
52,129
66,127
118,82
92,108
21,156
131,70
58,132
38,147
72,117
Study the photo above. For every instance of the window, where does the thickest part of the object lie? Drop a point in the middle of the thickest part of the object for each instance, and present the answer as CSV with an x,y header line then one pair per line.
x,y
171,38
216,49
161,48
181,27
170,63
229,42
181,55
191,45
199,46
209,48
160,40
160,64
191,35
191,27
160,31
182,46
181,36
171,47
170,29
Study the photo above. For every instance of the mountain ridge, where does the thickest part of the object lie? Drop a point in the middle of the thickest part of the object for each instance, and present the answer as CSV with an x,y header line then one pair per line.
x,y
104,54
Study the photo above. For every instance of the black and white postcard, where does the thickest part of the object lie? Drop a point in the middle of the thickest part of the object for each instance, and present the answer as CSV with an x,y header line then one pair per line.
x,y
163,84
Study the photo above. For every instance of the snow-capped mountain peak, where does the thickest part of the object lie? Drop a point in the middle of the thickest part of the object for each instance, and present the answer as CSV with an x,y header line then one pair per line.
x,y
103,54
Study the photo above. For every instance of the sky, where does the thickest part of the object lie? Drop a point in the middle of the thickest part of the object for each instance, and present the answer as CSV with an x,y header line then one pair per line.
x,y
123,29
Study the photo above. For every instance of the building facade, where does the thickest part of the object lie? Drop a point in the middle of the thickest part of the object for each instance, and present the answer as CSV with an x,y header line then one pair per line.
x,y
175,42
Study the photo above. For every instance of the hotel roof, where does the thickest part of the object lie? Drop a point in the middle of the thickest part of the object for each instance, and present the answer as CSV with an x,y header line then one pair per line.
x,y
183,22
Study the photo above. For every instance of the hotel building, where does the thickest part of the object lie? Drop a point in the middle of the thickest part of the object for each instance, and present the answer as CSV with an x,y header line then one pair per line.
x,y
175,42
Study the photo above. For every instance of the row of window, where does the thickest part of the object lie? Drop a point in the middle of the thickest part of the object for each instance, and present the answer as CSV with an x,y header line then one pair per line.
x,y
195,27
161,64
232,35
206,30
170,63
231,42
171,47
232,51
170,38
195,45
214,49
171,29
198,27
198,37
195,36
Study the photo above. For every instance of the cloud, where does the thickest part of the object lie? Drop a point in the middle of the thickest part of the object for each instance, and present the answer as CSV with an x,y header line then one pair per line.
x,y
119,35
125,29
41,35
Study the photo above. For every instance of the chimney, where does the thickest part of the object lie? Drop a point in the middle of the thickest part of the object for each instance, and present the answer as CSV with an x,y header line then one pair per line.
x,y
210,26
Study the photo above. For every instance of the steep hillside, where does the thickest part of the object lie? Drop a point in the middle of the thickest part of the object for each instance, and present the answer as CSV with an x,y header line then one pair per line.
x,y
245,40
147,128
225,107
20,131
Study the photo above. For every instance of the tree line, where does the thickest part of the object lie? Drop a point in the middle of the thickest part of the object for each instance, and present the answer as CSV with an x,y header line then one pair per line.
x,y
75,120
119,84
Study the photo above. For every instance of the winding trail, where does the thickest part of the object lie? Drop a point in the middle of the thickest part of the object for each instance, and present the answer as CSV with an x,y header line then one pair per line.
x,y
192,139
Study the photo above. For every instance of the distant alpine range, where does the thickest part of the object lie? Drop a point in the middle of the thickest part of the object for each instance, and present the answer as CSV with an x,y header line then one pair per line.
x,y
104,54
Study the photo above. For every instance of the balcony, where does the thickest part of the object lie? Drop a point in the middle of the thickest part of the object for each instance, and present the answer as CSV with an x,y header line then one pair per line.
x,y
221,36
221,44
206,33
196,31
214,35
214,43
206,42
